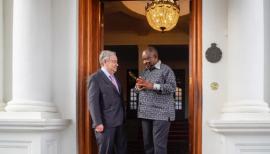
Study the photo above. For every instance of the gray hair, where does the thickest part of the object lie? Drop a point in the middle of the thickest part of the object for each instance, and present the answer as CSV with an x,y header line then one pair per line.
x,y
104,55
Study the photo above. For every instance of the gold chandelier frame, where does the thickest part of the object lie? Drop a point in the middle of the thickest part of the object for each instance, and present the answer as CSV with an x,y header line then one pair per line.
x,y
162,15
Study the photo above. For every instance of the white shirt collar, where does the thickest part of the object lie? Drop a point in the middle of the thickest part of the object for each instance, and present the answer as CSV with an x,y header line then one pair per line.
x,y
157,65
106,72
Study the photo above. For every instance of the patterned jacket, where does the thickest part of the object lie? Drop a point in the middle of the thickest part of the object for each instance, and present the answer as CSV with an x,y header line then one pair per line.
x,y
158,104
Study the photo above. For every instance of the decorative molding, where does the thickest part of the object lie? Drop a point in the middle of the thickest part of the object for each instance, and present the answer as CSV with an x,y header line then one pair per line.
x,y
245,116
29,142
253,148
51,146
243,137
29,115
247,106
12,145
245,110
2,106
240,127
22,125
30,106
245,127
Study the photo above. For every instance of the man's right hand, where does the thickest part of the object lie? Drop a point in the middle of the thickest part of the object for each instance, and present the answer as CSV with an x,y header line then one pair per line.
x,y
99,128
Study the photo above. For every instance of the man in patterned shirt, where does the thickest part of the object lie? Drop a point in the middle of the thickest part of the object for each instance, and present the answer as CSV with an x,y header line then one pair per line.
x,y
156,86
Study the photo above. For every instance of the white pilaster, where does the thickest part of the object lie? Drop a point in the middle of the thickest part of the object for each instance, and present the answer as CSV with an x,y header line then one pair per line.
x,y
2,105
267,50
245,62
245,119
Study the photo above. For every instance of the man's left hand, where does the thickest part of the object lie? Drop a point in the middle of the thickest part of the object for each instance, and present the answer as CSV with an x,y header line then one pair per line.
x,y
144,84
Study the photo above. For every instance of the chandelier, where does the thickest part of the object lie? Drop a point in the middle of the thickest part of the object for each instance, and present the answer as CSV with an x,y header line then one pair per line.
x,y
162,15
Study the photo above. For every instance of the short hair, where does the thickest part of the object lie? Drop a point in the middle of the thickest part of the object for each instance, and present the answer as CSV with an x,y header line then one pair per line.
x,y
152,50
104,55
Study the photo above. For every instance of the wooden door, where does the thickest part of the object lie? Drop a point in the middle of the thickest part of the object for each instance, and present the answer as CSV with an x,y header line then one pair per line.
x,y
90,44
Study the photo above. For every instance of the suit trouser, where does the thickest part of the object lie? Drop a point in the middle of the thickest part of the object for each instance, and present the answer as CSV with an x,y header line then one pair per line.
x,y
155,136
112,141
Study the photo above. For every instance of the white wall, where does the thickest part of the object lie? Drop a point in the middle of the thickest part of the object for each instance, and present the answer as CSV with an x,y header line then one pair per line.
x,y
214,31
65,67
267,50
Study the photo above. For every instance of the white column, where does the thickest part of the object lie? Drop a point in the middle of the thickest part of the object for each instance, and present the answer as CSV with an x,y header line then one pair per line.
x,y
32,59
245,121
245,61
30,113
2,105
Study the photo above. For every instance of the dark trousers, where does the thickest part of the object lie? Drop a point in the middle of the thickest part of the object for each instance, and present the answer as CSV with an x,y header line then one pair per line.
x,y
155,136
112,141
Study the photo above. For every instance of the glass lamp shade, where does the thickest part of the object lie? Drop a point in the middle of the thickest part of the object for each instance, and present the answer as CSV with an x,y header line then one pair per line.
x,y
162,15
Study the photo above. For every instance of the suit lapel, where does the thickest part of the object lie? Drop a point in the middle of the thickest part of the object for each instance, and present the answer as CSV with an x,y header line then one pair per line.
x,y
105,78
109,82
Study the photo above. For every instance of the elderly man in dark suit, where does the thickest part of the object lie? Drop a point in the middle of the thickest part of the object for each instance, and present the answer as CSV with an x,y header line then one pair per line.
x,y
106,106
156,87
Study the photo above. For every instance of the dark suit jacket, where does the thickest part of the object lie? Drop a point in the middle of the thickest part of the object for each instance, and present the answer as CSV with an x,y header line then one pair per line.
x,y
105,102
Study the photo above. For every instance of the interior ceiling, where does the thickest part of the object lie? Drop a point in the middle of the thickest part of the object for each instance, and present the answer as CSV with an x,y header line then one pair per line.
x,y
118,18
